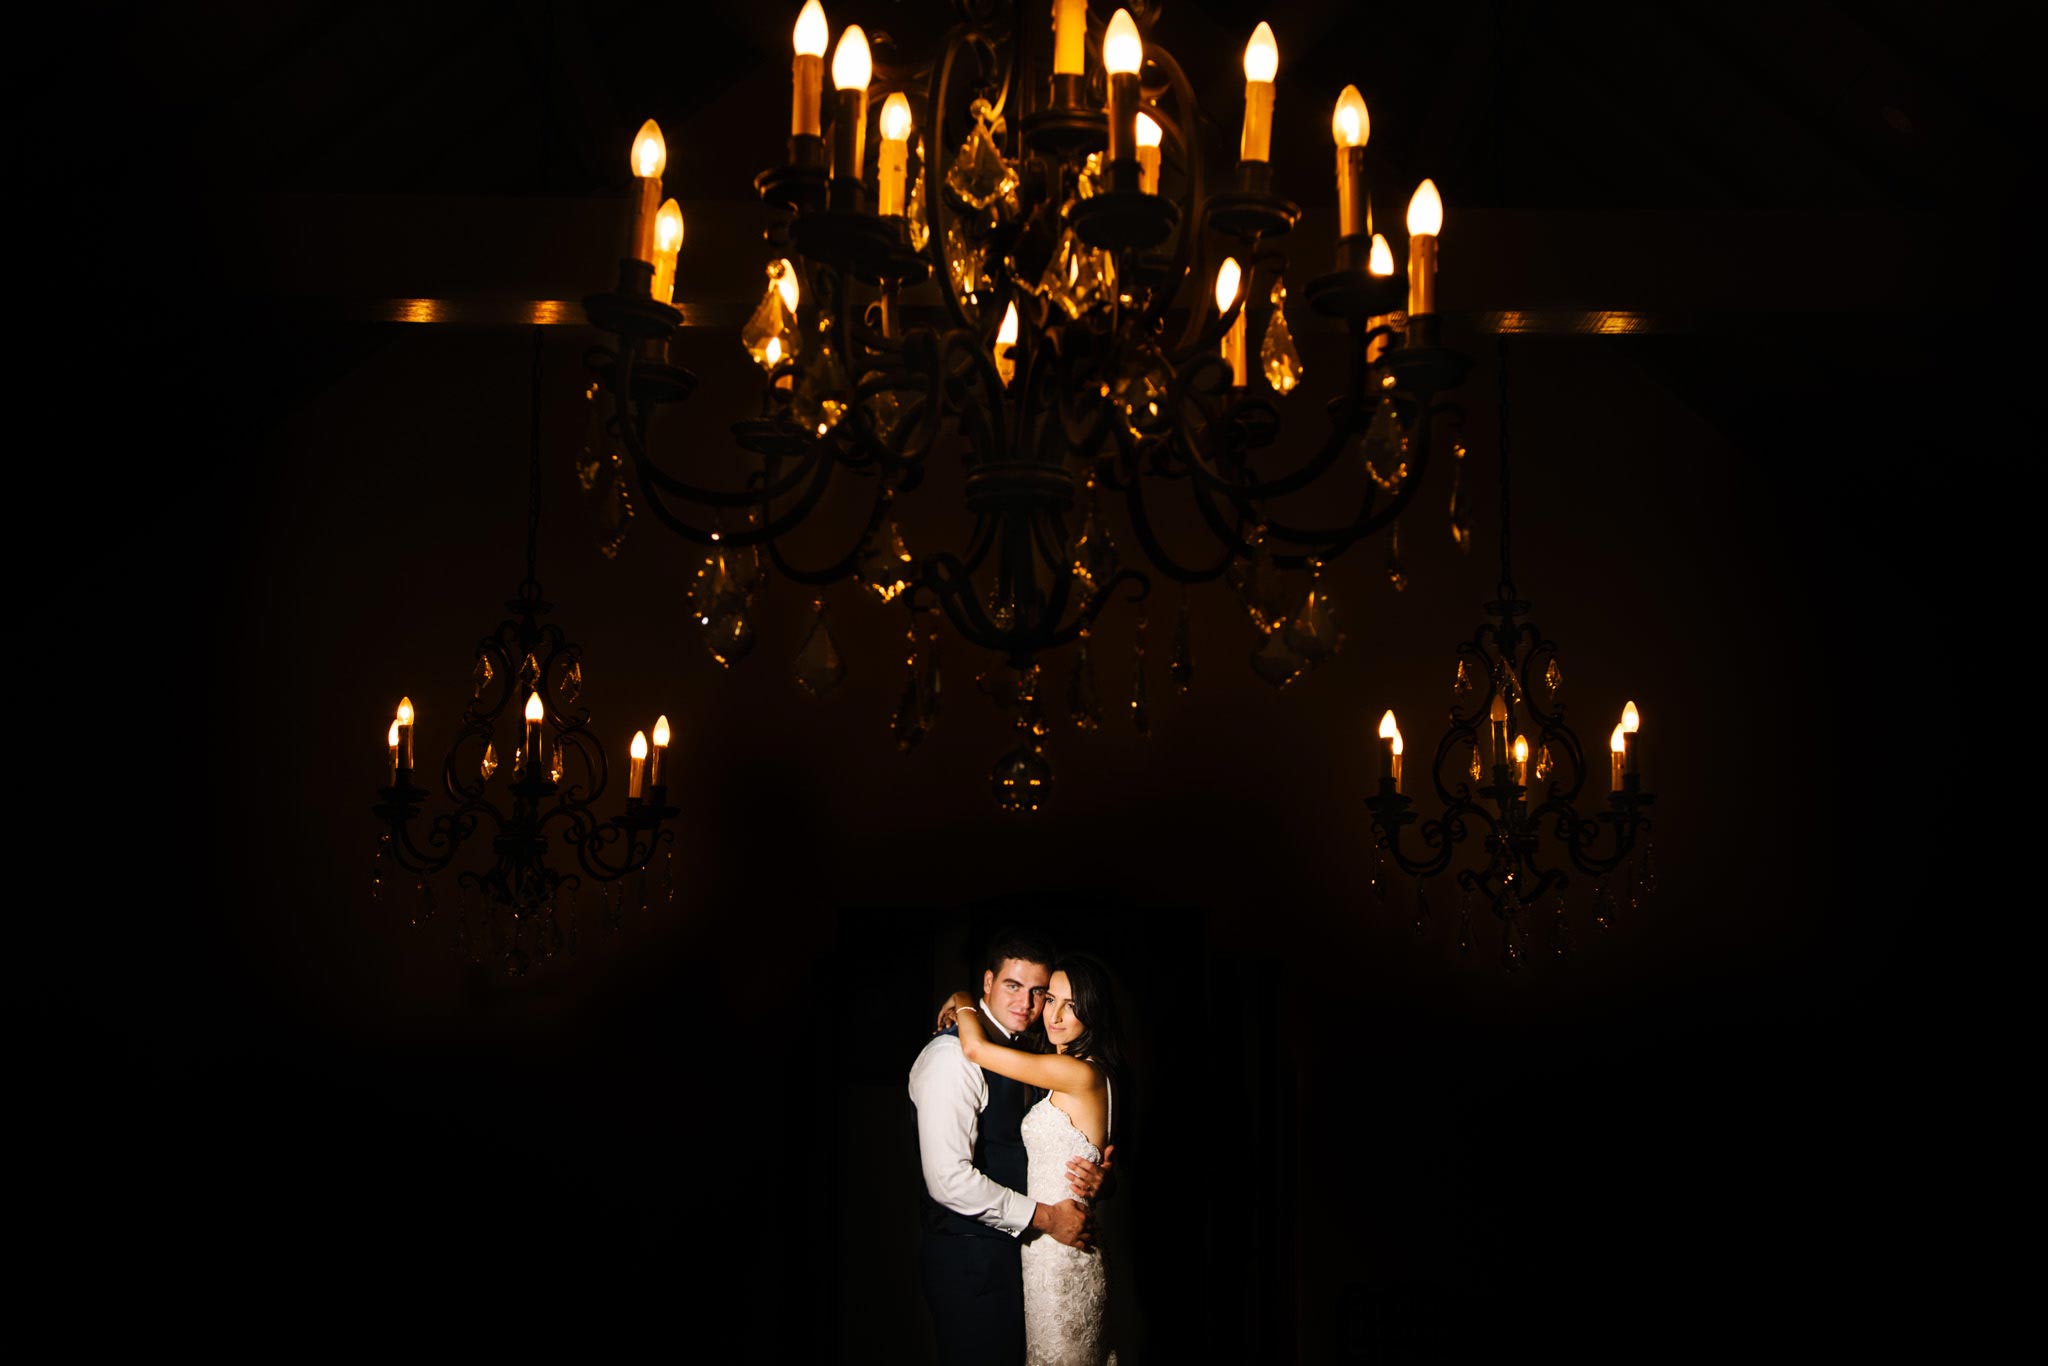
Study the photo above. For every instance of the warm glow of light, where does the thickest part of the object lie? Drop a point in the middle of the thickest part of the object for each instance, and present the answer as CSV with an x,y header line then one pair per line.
x,y
650,153
1006,335
391,736
405,711
1350,124
1261,54
1382,262
1400,747
811,32
852,67
1149,131
661,732
1425,211
1618,742
785,284
1227,276
773,351
668,227
1521,749
1122,49
1631,719
640,736
1388,728
534,710
1499,710
896,118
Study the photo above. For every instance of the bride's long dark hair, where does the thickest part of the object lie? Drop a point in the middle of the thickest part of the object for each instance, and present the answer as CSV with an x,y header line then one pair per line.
x,y
1101,1037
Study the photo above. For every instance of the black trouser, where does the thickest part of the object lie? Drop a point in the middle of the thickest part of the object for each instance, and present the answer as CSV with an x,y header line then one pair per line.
x,y
975,1287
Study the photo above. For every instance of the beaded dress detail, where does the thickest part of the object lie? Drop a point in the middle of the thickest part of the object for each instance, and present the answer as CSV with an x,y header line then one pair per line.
x,y
1066,1291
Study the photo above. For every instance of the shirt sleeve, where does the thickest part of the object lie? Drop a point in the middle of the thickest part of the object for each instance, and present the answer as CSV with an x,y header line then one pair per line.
x,y
949,1093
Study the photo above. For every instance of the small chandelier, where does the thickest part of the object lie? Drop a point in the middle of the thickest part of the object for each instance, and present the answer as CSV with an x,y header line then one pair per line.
x,y
1510,770
1062,215
547,784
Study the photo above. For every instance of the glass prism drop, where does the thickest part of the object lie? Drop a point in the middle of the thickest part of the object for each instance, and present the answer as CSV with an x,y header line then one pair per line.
x,y
1313,632
1277,356
774,319
819,666
885,565
1022,779
570,688
1274,663
490,761
1084,700
729,637
979,175
913,216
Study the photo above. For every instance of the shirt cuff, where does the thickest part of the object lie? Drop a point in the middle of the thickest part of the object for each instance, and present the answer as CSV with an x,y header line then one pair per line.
x,y
1016,1211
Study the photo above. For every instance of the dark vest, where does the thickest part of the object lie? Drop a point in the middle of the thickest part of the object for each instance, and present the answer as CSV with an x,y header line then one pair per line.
x,y
998,1144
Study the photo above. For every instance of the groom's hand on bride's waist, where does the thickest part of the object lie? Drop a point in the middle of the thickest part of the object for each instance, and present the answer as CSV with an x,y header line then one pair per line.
x,y
1067,1222
1085,1179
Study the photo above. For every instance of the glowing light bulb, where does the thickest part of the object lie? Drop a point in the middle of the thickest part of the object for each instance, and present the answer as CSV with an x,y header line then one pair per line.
x,y
774,352
1382,262
1400,745
1123,52
1426,211
404,711
1149,131
1521,749
1388,729
662,734
896,117
1006,344
1618,742
668,227
1227,277
852,67
1006,335
534,710
785,284
811,32
1631,719
1261,54
1350,125
650,151
639,750
391,736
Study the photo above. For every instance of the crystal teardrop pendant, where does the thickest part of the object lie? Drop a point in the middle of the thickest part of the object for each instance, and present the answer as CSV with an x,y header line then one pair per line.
x,y
1546,763
884,567
570,688
555,762
529,672
716,593
1182,667
1478,767
1313,632
819,666
483,673
729,638
1385,445
1553,676
913,216
817,399
1461,686
1277,356
1258,584
774,319
966,261
490,761
1274,663
1395,575
593,457
1139,394
614,510
1022,779
1603,906
979,175
1084,700
1461,511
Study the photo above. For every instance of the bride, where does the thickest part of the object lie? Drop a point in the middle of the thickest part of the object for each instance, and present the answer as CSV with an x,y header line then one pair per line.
x,y
1066,1289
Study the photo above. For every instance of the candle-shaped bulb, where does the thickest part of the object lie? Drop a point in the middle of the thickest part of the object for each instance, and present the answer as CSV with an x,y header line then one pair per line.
x,y
1618,742
1261,54
896,117
1382,262
534,710
1006,335
639,749
773,352
785,285
1123,52
1389,730
668,228
811,32
852,67
391,737
1350,125
1149,131
650,152
1426,211
1500,709
1227,276
1006,341
1521,749
1631,719
1400,745
661,732
404,711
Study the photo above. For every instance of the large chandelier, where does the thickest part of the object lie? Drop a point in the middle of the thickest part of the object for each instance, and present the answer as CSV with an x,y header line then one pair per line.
x,y
545,784
1064,213
1508,774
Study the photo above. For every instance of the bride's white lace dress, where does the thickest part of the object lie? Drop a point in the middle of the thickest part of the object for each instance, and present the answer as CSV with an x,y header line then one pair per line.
x,y
1066,1291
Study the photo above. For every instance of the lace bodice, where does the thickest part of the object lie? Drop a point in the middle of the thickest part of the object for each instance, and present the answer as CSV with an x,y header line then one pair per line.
x,y
1066,1291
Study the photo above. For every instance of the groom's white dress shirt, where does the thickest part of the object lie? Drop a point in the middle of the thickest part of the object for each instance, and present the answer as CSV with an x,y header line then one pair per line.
x,y
949,1093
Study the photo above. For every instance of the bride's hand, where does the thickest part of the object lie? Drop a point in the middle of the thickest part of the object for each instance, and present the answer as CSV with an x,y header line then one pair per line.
x,y
959,1000
1085,1178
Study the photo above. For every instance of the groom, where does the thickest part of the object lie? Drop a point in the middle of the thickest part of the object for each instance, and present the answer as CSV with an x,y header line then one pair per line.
x,y
972,1156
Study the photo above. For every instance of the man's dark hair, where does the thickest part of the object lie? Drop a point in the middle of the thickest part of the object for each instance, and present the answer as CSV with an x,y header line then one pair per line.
x,y
1014,943
1101,1037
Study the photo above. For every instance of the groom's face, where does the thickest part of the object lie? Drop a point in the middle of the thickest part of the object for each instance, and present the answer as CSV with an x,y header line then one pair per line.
x,y
1015,992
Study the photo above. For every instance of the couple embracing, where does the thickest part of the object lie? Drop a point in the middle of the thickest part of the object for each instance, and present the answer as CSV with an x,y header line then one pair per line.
x,y
1015,1106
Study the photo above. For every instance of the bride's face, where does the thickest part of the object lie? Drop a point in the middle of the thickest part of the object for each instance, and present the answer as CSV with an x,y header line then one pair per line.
x,y
1062,1025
